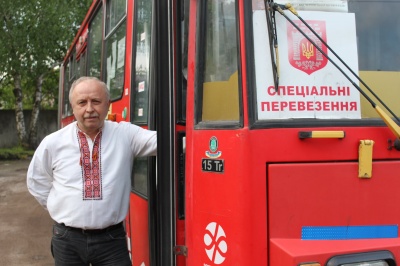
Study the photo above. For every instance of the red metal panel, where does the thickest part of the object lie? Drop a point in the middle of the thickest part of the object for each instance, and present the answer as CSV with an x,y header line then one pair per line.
x,y
139,230
329,194
226,213
286,251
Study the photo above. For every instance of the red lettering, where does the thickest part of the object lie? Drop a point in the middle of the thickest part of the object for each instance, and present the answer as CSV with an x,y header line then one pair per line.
x,y
353,106
301,106
263,105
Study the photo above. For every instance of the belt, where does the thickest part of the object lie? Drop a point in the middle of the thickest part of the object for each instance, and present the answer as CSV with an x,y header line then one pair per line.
x,y
92,231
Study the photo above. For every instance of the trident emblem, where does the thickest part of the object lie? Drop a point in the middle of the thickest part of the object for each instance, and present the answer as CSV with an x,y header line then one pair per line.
x,y
308,50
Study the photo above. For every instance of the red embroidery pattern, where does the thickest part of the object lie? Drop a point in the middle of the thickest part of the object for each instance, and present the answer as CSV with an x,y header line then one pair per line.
x,y
91,170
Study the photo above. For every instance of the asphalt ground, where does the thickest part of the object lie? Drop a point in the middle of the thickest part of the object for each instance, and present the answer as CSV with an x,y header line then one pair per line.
x,y
25,227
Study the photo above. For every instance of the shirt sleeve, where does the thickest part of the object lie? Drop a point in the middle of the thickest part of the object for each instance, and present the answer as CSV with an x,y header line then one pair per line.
x,y
142,141
40,175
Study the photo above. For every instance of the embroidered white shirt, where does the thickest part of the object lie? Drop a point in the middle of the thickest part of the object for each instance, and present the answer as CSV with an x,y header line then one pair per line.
x,y
88,189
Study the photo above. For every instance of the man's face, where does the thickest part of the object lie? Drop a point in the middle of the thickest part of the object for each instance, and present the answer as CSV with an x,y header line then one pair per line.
x,y
90,106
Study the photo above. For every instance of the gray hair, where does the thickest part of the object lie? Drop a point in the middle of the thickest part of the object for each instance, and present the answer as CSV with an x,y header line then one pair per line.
x,y
81,79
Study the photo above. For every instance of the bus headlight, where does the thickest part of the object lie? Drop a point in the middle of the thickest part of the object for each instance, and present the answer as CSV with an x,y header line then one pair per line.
x,y
369,263
375,258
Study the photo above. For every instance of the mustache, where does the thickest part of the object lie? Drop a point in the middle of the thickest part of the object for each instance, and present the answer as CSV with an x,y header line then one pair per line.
x,y
91,116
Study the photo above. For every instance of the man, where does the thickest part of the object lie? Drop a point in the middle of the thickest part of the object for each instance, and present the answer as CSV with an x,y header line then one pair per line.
x,y
81,175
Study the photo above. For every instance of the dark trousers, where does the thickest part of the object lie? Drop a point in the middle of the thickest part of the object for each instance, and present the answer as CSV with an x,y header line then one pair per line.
x,y
72,246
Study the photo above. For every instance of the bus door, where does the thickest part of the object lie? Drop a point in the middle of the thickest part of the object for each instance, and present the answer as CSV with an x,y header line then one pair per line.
x,y
216,136
156,216
139,220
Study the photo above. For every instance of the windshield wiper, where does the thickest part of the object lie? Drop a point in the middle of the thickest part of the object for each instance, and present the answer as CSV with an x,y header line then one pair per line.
x,y
273,40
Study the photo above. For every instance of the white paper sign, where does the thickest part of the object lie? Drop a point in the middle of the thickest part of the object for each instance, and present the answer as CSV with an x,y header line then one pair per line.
x,y
310,86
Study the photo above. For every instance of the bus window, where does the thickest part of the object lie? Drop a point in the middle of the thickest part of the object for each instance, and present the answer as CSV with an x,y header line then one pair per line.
x,y
115,56
141,75
95,45
183,31
82,64
78,68
139,176
66,109
68,80
140,82
220,89
115,48
72,68
377,31
116,10
379,57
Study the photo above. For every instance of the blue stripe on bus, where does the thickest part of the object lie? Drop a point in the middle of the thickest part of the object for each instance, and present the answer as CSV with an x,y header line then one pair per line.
x,y
348,232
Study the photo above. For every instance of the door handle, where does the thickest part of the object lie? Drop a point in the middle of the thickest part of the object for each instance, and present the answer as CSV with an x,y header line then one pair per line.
x,y
339,134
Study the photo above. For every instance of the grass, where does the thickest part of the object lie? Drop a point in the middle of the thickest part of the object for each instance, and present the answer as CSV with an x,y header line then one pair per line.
x,y
15,153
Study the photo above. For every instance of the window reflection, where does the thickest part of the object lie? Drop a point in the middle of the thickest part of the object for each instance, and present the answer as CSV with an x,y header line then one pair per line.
x,y
142,75
115,62
221,44
116,10
139,175
377,34
95,42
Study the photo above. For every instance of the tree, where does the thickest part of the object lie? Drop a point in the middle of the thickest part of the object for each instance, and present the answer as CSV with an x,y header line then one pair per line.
x,y
34,37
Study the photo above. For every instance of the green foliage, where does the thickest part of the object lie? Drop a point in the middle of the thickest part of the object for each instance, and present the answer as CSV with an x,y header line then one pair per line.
x,y
15,153
49,93
6,97
34,37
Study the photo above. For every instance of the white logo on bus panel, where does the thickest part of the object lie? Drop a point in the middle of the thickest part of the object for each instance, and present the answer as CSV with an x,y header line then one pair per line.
x,y
214,240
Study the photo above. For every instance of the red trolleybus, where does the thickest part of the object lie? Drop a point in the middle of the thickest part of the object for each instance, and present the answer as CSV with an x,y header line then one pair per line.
x,y
273,148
